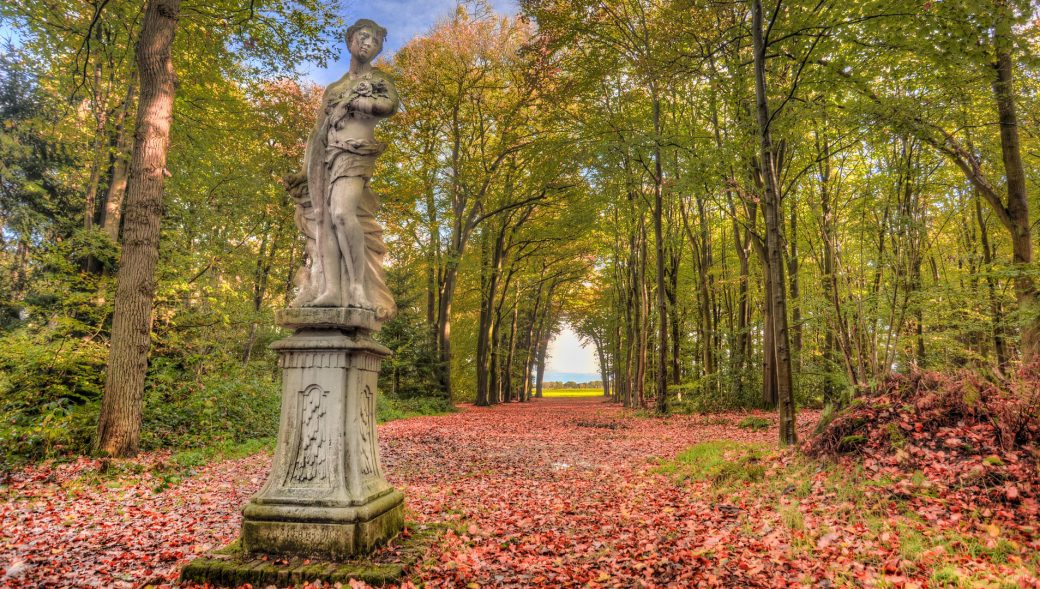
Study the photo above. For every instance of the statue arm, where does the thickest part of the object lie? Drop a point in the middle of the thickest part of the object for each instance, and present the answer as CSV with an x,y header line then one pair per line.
x,y
382,105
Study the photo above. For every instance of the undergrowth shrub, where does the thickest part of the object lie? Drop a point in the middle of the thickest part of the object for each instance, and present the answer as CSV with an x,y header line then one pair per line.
x,y
53,356
232,405
713,393
928,402
389,408
722,463
754,423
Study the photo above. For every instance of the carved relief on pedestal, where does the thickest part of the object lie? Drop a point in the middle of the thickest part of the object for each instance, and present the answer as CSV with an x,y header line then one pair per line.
x,y
311,450
365,428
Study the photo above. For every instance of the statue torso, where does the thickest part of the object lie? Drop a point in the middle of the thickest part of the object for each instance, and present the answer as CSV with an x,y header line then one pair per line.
x,y
347,123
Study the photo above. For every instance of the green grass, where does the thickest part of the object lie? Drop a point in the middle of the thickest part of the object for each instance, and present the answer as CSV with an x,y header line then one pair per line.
x,y
755,424
723,463
571,393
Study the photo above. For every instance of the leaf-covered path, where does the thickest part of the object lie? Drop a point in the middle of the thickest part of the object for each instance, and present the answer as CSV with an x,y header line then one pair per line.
x,y
553,493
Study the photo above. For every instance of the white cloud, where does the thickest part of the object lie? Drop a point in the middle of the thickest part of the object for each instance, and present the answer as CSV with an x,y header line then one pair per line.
x,y
567,354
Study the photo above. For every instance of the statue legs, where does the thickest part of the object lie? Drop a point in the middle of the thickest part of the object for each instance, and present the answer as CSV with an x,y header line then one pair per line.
x,y
343,246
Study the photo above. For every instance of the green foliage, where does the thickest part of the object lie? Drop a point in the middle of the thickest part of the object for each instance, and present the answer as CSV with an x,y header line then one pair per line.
x,y
412,369
717,392
52,363
391,408
230,405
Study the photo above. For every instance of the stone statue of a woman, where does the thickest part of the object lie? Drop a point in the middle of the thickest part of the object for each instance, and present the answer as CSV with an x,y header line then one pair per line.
x,y
341,154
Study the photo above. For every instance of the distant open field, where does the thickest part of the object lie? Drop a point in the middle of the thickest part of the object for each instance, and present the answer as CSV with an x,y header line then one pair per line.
x,y
572,392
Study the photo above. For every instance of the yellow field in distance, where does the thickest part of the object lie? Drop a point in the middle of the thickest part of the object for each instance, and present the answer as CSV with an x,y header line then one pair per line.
x,y
572,392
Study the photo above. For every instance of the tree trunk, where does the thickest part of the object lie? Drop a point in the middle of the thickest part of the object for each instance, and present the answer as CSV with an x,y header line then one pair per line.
x,y
484,364
999,341
112,211
830,284
792,273
772,211
1018,198
447,293
662,305
119,425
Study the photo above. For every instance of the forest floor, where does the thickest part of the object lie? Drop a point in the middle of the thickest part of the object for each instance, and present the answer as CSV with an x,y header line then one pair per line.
x,y
553,493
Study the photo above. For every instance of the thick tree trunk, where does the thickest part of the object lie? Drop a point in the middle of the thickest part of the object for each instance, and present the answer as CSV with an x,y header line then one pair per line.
x,y
119,425
772,210
1014,171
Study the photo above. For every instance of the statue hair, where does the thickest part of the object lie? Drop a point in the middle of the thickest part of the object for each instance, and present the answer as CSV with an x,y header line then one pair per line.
x,y
366,23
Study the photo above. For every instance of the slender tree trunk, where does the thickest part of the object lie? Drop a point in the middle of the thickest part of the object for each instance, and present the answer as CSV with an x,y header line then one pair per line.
x,y
742,241
484,364
830,393
792,273
996,310
772,210
604,368
507,374
119,425
112,211
662,304
447,293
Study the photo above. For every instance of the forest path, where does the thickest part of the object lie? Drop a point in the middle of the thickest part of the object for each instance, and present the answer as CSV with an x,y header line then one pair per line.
x,y
564,493
556,492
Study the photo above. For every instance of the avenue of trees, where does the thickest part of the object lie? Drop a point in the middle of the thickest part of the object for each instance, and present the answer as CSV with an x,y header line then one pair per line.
x,y
765,203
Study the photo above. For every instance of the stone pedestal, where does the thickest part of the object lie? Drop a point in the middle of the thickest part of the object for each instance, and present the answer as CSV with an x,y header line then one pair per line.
x,y
326,496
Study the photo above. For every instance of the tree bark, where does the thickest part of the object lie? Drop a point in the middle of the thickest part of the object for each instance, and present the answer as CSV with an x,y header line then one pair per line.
x,y
771,209
997,311
112,211
119,425
662,305
1014,171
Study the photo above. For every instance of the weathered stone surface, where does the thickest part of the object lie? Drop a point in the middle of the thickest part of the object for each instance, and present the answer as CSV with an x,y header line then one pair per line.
x,y
326,495
326,318
335,533
232,566
336,206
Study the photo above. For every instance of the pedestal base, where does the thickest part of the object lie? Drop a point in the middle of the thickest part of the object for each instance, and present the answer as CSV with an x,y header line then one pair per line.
x,y
233,567
334,533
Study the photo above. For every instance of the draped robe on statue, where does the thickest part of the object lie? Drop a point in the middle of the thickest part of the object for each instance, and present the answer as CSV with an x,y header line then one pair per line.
x,y
326,162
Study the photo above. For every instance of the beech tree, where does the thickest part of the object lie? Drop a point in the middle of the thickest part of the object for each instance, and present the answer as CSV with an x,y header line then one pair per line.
x,y
120,420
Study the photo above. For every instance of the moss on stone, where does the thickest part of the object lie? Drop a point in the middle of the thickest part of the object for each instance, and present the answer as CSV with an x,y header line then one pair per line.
x,y
230,566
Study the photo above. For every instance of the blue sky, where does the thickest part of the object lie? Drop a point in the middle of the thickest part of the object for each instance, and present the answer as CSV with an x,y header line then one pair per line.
x,y
403,20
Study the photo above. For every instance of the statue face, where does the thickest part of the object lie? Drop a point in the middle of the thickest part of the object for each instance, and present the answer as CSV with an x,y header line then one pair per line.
x,y
365,45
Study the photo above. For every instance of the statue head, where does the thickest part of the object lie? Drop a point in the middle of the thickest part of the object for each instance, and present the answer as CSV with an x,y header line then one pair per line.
x,y
365,39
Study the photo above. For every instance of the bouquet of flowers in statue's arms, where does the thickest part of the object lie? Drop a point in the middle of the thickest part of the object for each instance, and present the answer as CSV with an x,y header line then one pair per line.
x,y
367,88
